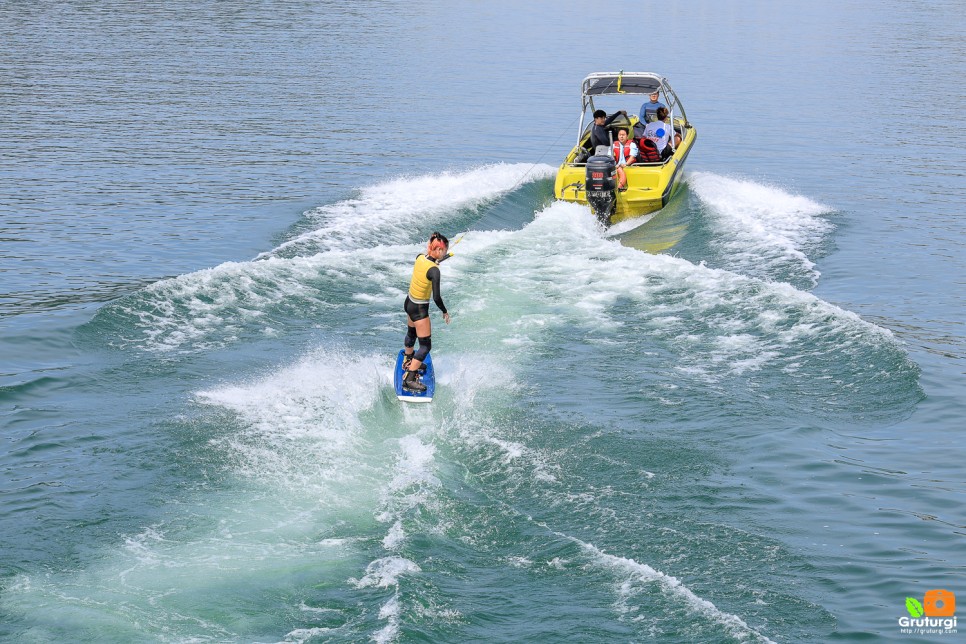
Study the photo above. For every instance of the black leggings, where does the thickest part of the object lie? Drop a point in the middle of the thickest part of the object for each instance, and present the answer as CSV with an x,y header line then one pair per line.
x,y
425,344
416,311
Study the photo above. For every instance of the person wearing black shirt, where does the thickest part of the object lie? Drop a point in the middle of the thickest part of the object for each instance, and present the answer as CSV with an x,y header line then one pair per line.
x,y
598,131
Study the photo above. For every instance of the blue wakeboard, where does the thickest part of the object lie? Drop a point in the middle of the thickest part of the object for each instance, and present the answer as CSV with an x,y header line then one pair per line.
x,y
426,376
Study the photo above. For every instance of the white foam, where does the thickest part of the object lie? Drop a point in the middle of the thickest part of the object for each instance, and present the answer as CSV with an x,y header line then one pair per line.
x,y
322,610
288,400
512,450
763,230
302,635
395,537
519,562
212,307
673,587
385,572
413,469
389,611
155,583
515,454
389,210
306,462
627,225
413,484
209,308
560,271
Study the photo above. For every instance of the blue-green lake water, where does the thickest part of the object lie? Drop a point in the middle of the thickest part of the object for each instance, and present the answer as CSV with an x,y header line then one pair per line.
x,y
208,216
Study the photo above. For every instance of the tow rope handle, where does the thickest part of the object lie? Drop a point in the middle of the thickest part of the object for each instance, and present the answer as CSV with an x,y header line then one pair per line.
x,y
450,253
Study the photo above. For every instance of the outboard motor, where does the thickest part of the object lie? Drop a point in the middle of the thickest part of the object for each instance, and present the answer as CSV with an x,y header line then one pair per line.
x,y
601,187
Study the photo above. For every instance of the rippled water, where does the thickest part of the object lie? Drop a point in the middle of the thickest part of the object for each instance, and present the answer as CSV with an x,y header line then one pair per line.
x,y
208,218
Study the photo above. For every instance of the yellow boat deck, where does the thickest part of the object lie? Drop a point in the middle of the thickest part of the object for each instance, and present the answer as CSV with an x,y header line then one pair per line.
x,y
649,185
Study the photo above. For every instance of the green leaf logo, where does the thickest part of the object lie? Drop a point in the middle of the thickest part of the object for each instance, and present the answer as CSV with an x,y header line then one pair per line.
x,y
914,607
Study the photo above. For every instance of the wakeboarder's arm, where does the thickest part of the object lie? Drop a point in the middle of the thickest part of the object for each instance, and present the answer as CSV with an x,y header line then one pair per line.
x,y
610,119
433,276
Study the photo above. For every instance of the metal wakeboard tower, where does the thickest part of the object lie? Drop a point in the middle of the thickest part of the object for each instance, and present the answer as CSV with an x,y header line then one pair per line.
x,y
626,83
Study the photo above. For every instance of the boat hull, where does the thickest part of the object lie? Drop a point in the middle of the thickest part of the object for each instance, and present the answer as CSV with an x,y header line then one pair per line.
x,y
649,186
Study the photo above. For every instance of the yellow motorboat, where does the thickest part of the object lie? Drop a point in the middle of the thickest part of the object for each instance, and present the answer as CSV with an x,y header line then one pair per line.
x,y
588,176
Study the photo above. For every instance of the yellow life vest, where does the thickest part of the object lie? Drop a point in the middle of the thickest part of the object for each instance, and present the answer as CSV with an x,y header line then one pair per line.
x,y
420,288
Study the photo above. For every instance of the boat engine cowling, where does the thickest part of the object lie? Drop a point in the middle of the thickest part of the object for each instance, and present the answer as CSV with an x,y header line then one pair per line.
x,y
601,187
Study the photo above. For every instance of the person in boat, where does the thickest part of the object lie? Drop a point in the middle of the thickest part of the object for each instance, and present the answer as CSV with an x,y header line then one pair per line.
x,y
660,131
625,153
598,131
649,109
424,283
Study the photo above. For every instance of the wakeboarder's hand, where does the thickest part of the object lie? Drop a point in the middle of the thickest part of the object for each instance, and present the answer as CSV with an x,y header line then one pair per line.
x,y
446,317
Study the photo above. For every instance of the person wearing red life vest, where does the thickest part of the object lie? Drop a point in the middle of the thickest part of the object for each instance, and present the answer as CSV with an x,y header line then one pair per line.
x,y
625,153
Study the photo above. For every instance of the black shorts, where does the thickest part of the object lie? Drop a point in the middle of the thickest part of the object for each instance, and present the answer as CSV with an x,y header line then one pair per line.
x,y
416,311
